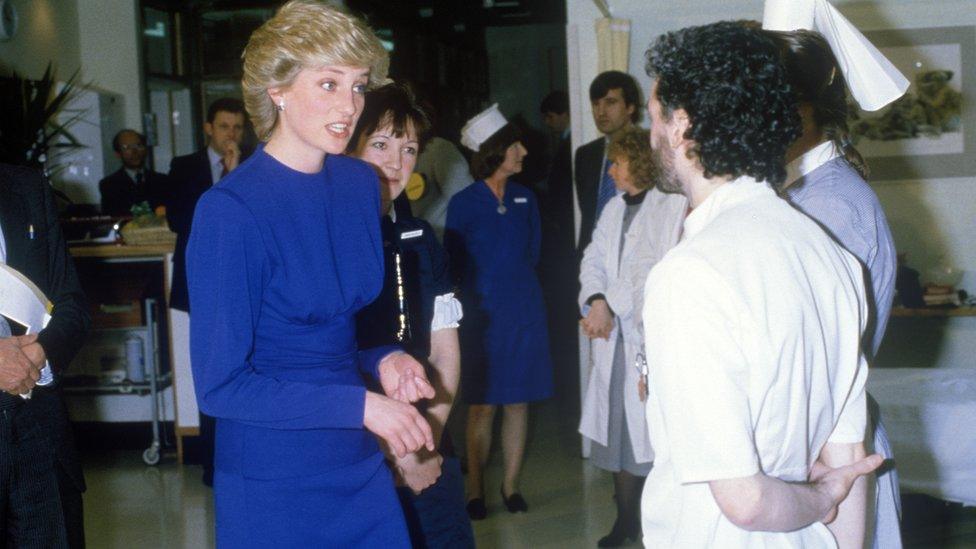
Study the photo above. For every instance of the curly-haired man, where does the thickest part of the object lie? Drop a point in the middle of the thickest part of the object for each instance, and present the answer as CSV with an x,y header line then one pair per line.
x,y
753,322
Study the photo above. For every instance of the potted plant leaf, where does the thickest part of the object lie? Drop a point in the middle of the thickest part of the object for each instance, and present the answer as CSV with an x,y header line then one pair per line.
x,y
30,131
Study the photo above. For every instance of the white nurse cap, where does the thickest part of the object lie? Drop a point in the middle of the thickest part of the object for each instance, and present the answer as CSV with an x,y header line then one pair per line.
x,y
873,80
481,127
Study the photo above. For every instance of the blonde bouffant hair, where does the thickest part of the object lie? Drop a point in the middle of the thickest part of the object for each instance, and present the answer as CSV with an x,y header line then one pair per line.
x,y
304,34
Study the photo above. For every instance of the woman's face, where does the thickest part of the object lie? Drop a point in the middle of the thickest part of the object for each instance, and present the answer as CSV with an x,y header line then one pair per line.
x,y
394,157
620,172
513,159
321,108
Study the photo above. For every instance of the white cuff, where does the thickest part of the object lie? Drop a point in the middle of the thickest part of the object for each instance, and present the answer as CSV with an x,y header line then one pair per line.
x,y
47,375
447,312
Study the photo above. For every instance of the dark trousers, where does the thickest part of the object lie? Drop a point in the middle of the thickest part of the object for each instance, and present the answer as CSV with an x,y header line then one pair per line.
x,y
39,505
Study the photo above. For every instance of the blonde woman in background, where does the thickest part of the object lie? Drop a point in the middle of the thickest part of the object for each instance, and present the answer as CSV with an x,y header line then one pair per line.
x,y
634,232
284,251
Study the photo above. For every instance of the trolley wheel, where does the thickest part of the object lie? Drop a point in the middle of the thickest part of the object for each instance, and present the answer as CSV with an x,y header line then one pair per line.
x,y
151,455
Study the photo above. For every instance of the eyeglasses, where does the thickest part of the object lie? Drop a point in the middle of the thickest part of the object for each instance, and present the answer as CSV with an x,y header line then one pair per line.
x,y
132,147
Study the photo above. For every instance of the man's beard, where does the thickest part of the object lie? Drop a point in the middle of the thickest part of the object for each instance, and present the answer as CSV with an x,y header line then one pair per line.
x,y
664,173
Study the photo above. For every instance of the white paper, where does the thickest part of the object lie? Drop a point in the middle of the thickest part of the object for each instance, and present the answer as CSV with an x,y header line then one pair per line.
x,y
873,80
788,15
25,304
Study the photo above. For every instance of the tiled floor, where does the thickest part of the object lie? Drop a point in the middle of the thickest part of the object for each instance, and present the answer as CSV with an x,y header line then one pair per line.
x,y
131,505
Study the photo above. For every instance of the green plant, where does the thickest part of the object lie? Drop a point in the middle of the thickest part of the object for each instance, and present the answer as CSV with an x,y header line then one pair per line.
x,y
30,134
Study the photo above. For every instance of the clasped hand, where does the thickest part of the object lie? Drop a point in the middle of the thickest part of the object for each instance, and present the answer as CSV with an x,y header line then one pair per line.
x,y
392,417
21,360
419,470
599,321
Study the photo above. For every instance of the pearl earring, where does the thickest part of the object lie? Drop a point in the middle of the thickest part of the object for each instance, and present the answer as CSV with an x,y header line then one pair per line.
x,y
281,105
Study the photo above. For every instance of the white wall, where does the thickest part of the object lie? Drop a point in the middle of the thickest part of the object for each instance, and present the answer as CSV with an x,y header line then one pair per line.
x,y
47,31
110,51
99,36
929,218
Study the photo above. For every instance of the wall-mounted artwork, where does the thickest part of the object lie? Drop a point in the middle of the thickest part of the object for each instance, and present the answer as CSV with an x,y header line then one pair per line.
x,y
930,132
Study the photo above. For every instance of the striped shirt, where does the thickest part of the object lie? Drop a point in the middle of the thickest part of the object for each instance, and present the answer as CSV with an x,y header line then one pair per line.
x,y
824,186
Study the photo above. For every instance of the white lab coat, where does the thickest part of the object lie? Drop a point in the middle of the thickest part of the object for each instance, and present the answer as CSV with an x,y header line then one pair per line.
x,y
653,231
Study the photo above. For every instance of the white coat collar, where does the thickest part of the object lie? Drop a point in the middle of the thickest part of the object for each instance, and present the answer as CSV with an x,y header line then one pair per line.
x,y
809,161
725,197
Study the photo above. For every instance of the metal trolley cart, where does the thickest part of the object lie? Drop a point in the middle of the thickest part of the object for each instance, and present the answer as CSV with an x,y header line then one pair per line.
x,y
151,383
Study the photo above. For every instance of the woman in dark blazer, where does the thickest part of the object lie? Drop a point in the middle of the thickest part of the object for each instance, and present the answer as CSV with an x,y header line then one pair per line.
x,y
417,309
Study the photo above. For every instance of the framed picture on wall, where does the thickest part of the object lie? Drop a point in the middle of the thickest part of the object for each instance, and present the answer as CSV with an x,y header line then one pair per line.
x,y
930,132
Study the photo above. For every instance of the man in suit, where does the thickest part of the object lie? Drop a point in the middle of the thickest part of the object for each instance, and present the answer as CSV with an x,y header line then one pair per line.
x,y
133,183
558,203
615,100
191,176
40,474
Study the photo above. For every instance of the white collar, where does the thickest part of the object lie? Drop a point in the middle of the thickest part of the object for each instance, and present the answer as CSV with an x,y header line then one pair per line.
x,y
725,197
809,161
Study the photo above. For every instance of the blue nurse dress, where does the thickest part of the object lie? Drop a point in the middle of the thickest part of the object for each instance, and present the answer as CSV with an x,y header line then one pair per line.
x,y
504,338
278,264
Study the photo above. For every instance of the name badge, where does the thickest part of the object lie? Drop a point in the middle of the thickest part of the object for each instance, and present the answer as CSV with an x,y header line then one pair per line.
x,y
411,234
521,200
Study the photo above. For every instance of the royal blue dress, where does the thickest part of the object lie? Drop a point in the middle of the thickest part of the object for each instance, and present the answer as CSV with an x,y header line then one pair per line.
x,y
504,337
278,264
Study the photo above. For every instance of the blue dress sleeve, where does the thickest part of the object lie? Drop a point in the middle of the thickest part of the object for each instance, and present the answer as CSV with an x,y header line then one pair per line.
x,y
227,271
369,359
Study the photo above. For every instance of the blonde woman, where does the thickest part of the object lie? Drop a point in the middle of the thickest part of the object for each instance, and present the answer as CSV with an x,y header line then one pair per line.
x,y
633,233
284,251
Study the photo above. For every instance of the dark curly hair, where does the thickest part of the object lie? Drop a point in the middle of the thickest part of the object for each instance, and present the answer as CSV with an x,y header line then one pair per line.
x,y
741,107
491,153
632,144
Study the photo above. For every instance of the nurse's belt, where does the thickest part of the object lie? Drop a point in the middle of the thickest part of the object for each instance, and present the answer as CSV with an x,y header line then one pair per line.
x,y
873,80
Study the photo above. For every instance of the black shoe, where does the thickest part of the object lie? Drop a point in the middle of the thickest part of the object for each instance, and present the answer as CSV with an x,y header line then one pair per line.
x,y
619,536
476,509
515,503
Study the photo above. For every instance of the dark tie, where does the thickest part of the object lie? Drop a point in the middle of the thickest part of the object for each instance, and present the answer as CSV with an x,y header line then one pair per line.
x,y
607,190
140,188
223,168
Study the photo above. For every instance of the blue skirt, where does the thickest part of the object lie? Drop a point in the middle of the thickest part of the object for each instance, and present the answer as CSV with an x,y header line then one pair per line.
x,y
277,494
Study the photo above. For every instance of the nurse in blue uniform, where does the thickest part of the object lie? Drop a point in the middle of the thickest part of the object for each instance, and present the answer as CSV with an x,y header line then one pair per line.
x,y
417,310
283,253
493,238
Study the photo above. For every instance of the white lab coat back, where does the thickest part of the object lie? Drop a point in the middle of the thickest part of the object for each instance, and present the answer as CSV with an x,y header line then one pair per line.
x,y
654,230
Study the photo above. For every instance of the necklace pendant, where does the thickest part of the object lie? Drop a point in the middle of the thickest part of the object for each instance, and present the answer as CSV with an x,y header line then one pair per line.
x,y
502,209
